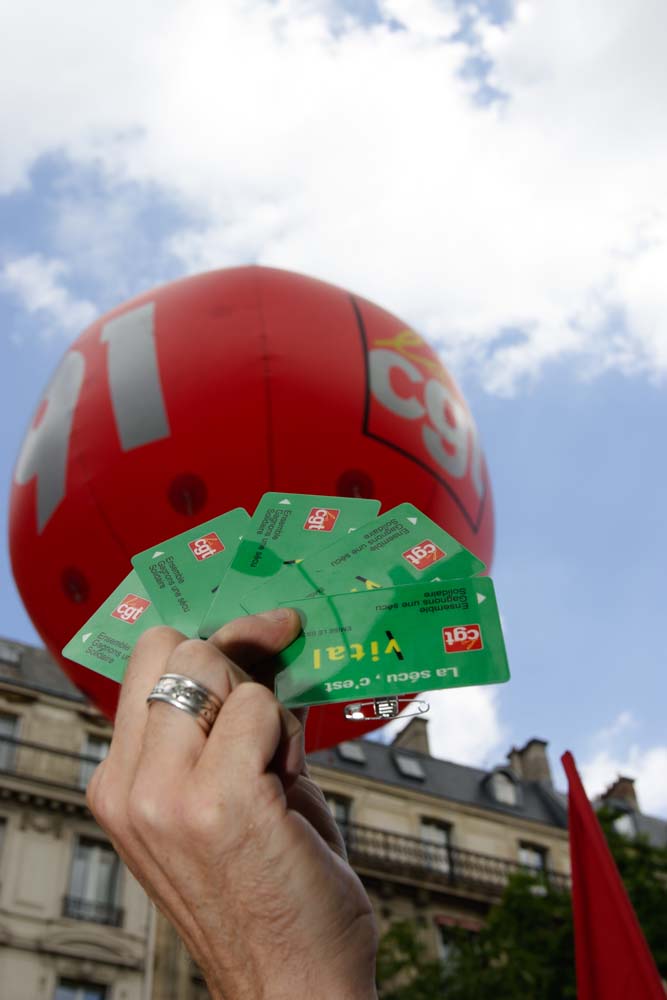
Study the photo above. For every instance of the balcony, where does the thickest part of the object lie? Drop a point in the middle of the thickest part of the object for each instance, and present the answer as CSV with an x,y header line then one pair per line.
x,y
372,851
44,765
93,911
451,869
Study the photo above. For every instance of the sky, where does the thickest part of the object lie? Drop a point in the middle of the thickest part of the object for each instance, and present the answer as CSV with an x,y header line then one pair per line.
x,y
495,173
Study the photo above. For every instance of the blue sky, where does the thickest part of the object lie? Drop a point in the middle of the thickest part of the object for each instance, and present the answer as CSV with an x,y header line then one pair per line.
x,y
494,175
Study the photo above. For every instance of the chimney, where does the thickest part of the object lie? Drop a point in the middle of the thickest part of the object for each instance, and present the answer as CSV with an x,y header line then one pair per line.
x,y
623,790
414,736
514,758
530,763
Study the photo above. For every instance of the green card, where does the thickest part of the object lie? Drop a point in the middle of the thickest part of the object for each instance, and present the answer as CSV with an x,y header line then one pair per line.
x,y
418,637
399,547
182,574
285,528
106,640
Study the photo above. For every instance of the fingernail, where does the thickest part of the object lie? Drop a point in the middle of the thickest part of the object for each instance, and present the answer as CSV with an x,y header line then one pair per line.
x,y
277,615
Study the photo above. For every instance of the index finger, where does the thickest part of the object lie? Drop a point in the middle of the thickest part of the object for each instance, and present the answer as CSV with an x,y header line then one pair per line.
x,y
146,664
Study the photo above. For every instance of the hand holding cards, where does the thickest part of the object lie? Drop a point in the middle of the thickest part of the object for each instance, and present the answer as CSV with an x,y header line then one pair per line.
x,y
390,604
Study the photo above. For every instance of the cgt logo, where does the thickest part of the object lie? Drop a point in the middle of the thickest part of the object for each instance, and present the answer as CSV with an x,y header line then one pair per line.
x,y
414,406
462,638
321,519
424,554
206,546
130,609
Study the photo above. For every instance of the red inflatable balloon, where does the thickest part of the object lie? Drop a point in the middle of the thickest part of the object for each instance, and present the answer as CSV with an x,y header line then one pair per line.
x,y
200,396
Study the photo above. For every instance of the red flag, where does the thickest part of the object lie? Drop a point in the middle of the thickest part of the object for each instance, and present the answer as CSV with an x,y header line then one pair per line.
x,y
612,958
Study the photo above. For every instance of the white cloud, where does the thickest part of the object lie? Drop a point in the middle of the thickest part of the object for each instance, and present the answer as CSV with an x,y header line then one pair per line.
x,y
463,725
611,758
37,283
358,153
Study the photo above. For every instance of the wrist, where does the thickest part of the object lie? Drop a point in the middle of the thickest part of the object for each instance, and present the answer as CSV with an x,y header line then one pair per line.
x,y
315,984
318,984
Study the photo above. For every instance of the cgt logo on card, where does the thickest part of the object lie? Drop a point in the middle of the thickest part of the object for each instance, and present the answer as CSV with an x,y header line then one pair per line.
x,y
462,638
424,554
206,546
321,519
130,609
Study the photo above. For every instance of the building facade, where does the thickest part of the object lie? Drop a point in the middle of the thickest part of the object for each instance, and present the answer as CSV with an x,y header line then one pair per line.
x,y
74,924
435,842
432,841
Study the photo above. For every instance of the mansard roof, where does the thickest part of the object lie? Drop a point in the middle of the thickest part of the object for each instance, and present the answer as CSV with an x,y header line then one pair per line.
x,y
34,668
447,780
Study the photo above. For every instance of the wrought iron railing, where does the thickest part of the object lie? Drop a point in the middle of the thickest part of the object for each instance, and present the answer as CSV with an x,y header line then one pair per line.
x,y
44,764
368,848
453,867
92,910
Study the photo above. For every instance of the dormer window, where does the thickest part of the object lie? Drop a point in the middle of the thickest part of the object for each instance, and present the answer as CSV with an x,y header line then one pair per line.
x,y
352,751
503,789
625,825
9,655
408,766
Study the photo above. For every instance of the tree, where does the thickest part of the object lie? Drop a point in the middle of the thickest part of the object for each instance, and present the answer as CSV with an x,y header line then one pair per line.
x,y
644,872
526,948
403,971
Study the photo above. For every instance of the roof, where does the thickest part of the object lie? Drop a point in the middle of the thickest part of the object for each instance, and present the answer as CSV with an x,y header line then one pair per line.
x,y
537,800
449,781
34,668
653,828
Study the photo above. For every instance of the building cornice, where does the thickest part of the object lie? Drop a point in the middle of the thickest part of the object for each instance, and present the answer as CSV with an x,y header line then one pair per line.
x,y
19,691
42,797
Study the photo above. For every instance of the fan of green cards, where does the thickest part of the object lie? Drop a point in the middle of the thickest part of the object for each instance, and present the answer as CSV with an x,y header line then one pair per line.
x,y
390,604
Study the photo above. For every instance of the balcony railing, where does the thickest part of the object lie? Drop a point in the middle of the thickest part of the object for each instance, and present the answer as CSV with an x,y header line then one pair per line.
x,y
46,765
368,848
449,867
92,910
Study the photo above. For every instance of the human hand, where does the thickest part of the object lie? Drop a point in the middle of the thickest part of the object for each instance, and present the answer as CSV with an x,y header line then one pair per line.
x,y
227,833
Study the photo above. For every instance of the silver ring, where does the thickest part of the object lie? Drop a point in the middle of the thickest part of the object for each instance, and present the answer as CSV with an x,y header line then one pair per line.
x,y
188,695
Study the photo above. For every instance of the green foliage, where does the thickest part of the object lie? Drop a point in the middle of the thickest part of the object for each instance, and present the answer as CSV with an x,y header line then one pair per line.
x,y
524,951
644,872
526,948
403,971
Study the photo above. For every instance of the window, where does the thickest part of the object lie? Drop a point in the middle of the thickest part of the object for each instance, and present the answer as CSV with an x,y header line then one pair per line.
x,y
463,928
410,767
339,807
503,789
352,751
436,838
533,856
70,989
96,747
10,655
446,947
625,825
9,726
93,883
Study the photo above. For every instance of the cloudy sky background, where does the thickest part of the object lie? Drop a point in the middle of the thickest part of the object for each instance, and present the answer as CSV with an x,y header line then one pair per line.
x,y
493,172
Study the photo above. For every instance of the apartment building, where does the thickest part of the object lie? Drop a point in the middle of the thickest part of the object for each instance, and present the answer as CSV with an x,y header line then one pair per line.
x,y
432,840
74,924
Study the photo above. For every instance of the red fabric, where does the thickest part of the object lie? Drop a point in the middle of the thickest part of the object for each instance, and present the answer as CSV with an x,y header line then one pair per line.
x,y
612,958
